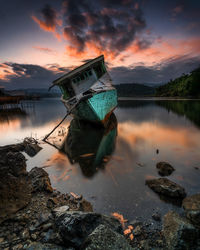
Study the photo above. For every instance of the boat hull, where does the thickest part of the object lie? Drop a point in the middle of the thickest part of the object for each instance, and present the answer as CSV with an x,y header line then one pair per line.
x,y
97,108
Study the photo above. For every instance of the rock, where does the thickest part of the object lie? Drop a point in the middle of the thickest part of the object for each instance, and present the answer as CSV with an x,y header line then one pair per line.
x,y
191,205
75,226
40,246
31,146
104,237
86,206
135,223
137,231
156,216
32,149
34,236
40,180
166,187
44,218
47,226
15,187
60,210
144,244
164,168
179,233
25,234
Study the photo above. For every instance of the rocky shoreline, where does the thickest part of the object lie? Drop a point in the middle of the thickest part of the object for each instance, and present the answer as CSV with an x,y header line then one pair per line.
x,y
34,216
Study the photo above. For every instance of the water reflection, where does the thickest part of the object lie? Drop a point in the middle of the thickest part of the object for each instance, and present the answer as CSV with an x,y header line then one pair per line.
x,y
184,108
7,115
143,126
89,145
189,109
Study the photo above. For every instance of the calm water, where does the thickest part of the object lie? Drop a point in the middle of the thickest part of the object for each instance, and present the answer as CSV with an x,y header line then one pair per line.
x,y
110,167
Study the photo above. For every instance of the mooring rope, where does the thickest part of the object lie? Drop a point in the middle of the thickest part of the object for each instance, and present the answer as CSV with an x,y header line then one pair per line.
x,y
55,127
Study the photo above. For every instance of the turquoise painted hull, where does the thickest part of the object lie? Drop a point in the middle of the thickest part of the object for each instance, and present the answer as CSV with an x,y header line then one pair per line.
x,y
97,108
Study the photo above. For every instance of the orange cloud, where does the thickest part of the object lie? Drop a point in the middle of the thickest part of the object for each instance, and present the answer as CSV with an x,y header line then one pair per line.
x,y
49,27
6,72
42,49
43,25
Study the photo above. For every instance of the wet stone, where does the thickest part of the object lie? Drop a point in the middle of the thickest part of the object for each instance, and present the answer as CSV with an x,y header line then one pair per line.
x,y
166,187
191,205
75,227
60,210
164,168
156,216
40,246
179,233
137,231
40,180
105,238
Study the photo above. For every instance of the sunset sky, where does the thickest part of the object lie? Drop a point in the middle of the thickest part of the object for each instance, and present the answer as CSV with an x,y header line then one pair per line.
x,y
143,41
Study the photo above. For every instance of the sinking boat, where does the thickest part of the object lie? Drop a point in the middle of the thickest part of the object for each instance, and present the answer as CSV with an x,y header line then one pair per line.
x,y
90,146
87,91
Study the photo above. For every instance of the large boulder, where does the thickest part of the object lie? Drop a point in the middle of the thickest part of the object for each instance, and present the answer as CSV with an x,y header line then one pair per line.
x,y
15,188
191,205
104,237
164,168
76,226
166,187
179,233
40,180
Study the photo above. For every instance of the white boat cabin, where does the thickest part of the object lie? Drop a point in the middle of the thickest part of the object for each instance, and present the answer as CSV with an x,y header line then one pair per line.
x,y
80,80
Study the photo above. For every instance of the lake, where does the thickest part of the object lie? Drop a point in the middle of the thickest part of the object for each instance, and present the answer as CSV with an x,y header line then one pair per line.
x,y
109,167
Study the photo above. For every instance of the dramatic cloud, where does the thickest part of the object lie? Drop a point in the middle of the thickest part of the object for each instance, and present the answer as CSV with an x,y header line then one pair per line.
x,y
16,75
50,20
106,26
34,76
159,73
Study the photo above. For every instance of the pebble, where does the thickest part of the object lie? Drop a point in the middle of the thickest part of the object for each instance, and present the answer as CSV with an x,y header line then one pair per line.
x,y
137,231
156,217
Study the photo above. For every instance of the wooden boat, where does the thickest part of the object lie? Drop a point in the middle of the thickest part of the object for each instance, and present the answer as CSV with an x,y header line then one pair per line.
x,y
87,91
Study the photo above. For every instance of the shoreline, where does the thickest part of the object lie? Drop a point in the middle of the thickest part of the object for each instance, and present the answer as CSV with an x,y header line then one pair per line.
x,y
155,98
34,214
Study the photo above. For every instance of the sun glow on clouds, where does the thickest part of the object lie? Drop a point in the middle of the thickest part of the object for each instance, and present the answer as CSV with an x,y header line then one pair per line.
x,y
118,30
50,21
6,72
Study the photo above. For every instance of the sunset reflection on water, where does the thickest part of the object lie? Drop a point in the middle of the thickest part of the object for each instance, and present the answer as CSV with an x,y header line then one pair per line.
x,y
145,135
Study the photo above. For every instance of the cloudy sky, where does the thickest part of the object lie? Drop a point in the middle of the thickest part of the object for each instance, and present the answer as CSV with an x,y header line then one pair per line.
x,y
143,41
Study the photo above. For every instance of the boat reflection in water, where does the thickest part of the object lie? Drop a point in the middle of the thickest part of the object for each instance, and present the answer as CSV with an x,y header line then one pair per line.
x,y
90,145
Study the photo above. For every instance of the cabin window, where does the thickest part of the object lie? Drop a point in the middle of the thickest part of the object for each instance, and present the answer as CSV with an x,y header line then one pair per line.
x,y
99,69
67,90
83,76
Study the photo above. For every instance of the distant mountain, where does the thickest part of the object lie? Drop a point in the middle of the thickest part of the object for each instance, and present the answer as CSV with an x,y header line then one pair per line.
x,y
134,90
42,93
188,85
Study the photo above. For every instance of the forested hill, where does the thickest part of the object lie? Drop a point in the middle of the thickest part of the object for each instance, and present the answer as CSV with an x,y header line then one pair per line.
x,y
184,86
134,89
